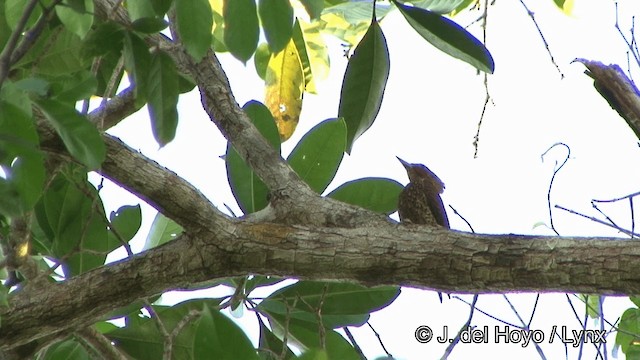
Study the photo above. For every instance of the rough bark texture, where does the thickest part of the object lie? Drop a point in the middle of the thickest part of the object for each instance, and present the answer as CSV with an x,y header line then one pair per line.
x,y
416,256
300,235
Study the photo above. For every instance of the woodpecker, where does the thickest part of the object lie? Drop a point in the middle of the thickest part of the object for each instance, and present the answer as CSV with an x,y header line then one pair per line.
x,y
420,201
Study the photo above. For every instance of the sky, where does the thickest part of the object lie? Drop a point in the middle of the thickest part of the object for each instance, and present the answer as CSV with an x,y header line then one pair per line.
x,y
429,115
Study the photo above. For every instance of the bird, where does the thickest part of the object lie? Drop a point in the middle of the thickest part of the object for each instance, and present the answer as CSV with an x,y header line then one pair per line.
x,y
420,202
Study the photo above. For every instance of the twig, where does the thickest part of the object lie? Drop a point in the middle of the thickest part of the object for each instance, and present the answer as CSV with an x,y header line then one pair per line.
x,y
379,340
546,45
100,343
553,177
524,325
486,313
354,343
466,325
625,231
632,45
487,98
463,219
12,42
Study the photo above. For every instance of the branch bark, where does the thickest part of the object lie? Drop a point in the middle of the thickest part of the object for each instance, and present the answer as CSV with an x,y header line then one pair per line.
x,y
416,256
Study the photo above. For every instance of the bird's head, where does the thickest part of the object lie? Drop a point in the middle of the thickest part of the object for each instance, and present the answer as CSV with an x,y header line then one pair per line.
x,y
419,173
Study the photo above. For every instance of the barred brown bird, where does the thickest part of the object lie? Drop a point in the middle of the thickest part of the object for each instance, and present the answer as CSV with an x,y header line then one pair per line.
x,y
419,201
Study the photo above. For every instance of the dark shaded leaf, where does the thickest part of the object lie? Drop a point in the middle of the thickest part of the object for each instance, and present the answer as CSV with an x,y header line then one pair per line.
x,y
20,157
269,341
161,6
241,29
137,62
194,22
342,304
277,20
141,339
80,136
162,94
70,209
448,36
364,82
217,337
149,25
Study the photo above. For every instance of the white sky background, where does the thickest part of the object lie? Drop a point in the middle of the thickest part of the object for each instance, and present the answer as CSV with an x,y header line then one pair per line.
x,y
429,115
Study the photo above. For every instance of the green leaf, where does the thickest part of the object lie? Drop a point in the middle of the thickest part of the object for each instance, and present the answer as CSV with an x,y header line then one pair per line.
x,y
305,336
277,22
162,94
194,22
33,85
141,339
162,230
13,10
126,221
77,16
318,154
149,25
137,62
313,7
314,354
67,349
104,39
73,87
241,29
339,304
364,82
448,36
161,7
249,191
56,52
269,341
5,31
139,9
80,136
376,194
628,328
20,156
218,337
71,208
261,60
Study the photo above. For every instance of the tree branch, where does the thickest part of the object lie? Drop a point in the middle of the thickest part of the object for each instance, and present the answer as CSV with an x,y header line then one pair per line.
x,y
416,256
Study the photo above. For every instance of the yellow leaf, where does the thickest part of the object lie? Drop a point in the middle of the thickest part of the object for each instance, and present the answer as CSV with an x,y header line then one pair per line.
x,y
284,87
314,56
350,33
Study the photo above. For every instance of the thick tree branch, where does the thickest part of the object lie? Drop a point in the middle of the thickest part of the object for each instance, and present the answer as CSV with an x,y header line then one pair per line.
x,y
416,256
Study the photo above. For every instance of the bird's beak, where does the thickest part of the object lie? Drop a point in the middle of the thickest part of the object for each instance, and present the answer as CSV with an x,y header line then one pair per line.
x,y
404,163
